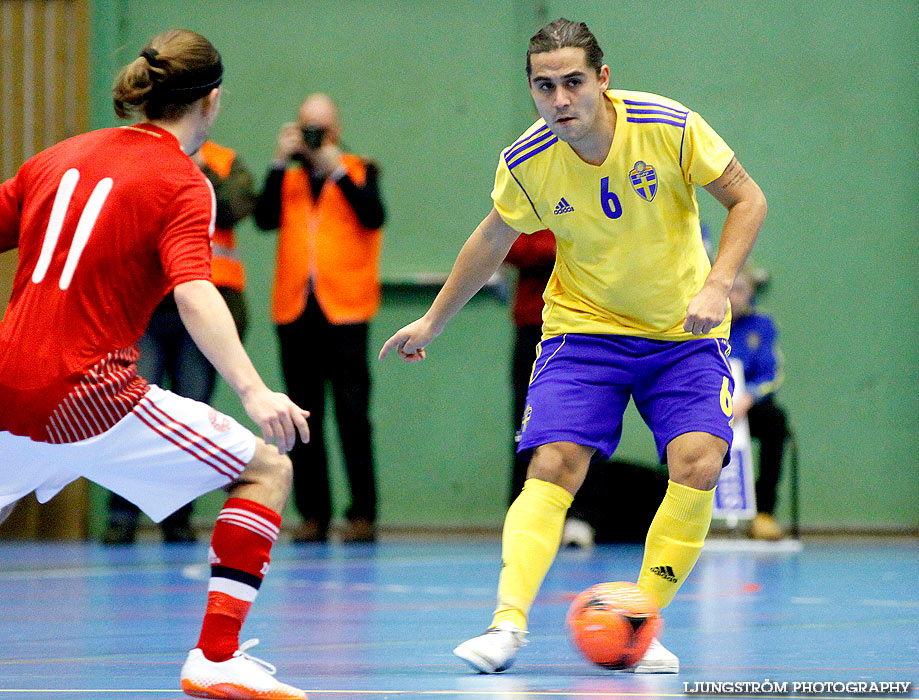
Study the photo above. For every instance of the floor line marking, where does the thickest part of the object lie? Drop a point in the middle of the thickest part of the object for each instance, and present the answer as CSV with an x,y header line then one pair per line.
x,y
503,692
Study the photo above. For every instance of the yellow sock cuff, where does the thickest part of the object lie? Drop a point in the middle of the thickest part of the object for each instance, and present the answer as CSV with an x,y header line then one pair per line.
x,y
686,503
549,493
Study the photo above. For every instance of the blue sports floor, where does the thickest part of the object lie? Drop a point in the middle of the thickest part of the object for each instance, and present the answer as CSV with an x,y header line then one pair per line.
x,y
84,621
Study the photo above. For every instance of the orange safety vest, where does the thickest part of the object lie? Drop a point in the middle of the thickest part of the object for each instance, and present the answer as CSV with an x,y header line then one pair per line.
x,y
324,240
226,266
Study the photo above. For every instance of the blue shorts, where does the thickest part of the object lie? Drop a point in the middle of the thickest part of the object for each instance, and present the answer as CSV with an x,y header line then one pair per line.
x,y
581,385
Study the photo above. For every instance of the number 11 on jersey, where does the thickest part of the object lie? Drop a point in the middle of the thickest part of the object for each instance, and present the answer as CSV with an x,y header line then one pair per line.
x,y
84,226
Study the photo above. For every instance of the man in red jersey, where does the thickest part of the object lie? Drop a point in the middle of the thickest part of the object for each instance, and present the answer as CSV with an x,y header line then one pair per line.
x,y
106,224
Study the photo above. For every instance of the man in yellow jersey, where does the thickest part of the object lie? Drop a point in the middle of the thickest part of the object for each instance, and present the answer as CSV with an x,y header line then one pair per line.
x,y
633,309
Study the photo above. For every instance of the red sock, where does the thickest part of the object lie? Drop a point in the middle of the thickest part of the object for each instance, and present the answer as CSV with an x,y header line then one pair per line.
x,y
239,556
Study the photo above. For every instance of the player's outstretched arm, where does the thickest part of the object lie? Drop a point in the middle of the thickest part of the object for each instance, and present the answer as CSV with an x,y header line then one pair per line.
x,y
746,206
208,320
477,261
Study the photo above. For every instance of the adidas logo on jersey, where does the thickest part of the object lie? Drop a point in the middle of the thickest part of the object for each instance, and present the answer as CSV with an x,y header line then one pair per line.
x,y
563,207
665,572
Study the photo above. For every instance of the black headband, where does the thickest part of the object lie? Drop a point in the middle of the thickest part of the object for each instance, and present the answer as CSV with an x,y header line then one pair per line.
x,y
151,56
189,86
194,84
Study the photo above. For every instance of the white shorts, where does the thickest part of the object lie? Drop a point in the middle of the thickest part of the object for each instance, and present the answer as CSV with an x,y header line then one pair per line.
x,y
168,451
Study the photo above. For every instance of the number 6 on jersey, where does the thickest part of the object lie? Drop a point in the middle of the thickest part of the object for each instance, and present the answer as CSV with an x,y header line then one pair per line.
x,y
611,206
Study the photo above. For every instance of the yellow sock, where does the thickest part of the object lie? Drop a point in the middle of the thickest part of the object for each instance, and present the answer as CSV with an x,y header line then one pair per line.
x,y
675,540
532,534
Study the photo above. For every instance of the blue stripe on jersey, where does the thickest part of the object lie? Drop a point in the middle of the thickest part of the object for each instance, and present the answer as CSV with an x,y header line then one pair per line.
x,y
651,120
639,112
527,138
530,138
682,139
531,142
527,156
674,110
527,196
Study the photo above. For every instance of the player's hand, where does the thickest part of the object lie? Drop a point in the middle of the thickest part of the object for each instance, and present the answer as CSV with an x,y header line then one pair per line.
x,y
279,418
410,341
290,142
325,158
706,310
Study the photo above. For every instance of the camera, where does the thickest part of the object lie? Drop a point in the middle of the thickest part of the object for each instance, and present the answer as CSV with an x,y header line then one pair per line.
x,y
312,136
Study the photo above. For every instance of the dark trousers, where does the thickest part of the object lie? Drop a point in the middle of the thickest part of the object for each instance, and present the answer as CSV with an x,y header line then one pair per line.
x,y
525,341
170,359
769,425
315,352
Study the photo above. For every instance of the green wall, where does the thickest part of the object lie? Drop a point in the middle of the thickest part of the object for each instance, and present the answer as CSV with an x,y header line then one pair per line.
x,y
817,99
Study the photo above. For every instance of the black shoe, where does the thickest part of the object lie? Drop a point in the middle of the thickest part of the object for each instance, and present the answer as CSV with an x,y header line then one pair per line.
x,y
311,531
119,533
359,530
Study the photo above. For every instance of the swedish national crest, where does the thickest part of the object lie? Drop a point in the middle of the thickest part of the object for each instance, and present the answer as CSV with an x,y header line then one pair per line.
x,y
644,180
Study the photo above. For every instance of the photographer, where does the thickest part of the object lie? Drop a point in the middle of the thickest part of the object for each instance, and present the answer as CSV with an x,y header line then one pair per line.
x,y
326,206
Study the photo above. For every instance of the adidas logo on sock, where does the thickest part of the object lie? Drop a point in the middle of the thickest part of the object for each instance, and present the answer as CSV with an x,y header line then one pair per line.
x,y
665,572
563,207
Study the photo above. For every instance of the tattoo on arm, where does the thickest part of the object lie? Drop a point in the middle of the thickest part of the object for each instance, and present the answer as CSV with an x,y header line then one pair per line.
x,y
736,174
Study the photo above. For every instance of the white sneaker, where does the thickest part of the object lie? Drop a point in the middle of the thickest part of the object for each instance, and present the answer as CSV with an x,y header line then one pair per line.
x,y
577,534
658,659
241,677
493,651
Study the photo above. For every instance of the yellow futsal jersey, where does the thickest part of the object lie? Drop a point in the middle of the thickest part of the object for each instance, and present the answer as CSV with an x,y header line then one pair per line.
x,y
630,253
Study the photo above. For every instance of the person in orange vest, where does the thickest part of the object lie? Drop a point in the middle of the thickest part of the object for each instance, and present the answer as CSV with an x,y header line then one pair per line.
x,y
168,355
327,208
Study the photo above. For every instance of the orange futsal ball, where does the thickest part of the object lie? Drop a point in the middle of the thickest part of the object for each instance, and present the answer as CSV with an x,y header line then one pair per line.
x,y
612,624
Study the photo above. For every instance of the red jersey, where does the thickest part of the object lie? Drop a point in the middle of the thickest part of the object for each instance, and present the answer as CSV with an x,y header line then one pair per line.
x,y
534,257
106,224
